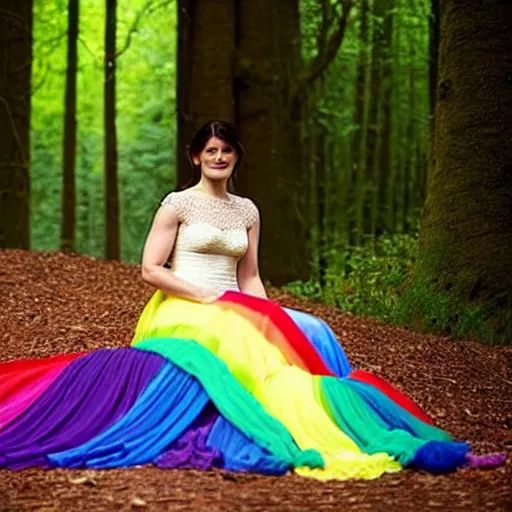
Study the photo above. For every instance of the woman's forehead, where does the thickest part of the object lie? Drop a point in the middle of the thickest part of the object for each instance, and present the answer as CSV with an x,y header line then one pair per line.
x,y
215,141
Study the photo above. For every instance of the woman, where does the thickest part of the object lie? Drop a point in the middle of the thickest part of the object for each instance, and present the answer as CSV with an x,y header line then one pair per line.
x,y
217,375
218,230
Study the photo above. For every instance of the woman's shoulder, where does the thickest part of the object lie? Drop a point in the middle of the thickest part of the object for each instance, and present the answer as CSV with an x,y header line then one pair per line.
x,y
173,197
177,203
249,209
180,200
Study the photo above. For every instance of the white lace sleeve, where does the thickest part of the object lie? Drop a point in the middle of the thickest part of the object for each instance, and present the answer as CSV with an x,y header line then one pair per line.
x,y
253,214
173,199
168,199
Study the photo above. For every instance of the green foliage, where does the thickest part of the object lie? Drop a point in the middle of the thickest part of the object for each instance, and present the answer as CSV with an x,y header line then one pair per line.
x,y
365,280
145,121
376,280
425,310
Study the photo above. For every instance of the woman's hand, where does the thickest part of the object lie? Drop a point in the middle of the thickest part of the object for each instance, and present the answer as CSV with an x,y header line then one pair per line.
x,y
208,296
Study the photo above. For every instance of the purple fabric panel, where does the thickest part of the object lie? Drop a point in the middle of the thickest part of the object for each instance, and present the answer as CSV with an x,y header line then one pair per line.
x,y
487,461
190,450
91,394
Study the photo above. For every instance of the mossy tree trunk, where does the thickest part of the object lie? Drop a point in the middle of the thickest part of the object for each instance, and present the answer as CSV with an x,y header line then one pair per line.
x,y
16,65
434,34
466,242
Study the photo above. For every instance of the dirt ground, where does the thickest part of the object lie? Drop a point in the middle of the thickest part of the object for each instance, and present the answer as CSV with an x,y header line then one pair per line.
x,y
53,303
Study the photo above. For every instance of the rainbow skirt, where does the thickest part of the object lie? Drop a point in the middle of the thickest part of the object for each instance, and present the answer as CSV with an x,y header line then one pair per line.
x,y
241,384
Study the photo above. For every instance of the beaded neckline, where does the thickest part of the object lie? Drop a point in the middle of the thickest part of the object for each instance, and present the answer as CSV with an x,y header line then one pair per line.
x,y
194,207
204,195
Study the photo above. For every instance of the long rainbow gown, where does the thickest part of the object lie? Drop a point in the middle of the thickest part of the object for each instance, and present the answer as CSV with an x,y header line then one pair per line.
x,y
240,384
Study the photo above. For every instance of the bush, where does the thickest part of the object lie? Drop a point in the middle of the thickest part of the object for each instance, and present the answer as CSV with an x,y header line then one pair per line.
x,y
365,280
376,280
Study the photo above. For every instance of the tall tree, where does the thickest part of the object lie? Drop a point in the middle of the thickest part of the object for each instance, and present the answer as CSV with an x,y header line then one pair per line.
x,y
361,115
68,200
112,247
269,124
379,135
272,83
247,68
434,33
206,53
465,244
16,65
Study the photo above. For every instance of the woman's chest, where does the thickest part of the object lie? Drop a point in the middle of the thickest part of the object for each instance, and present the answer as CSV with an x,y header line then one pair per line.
x,y
205,238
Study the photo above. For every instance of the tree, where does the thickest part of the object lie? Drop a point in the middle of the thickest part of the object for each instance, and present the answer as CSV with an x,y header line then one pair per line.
x,y
465,242
206,51
16,63
269,123
112,247
379,137
434,34
361,121
67,236
248,68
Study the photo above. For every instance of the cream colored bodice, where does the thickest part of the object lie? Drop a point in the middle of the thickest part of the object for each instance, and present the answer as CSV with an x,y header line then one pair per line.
x,y
211,238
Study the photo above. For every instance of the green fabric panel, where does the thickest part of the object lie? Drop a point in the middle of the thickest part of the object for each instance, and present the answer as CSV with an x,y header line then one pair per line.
x,y
363,425
235,403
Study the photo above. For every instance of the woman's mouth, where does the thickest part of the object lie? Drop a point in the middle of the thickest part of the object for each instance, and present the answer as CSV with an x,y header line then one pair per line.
x,y
219,166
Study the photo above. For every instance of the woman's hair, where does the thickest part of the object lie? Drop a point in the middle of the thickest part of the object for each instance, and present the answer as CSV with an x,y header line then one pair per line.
x,y
222,130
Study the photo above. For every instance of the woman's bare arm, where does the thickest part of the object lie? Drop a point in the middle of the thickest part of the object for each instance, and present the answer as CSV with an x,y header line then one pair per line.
x,y
248,274
159,245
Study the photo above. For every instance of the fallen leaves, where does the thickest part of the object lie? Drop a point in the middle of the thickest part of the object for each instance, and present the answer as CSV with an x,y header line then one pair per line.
x,y
54,303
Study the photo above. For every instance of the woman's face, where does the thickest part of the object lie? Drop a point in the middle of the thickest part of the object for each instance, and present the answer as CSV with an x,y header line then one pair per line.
x,y
217,159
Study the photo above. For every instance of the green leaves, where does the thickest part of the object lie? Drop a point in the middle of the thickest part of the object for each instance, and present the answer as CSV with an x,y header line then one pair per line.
x,y
145,122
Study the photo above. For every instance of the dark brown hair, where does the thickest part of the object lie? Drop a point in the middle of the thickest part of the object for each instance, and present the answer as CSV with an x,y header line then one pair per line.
x,y
222,130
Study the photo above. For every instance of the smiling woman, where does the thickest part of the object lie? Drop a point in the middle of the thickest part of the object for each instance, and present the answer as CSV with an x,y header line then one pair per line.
x,y
215,147
211,234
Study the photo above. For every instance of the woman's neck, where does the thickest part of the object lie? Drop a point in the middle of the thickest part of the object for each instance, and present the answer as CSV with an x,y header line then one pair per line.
x,y
212,188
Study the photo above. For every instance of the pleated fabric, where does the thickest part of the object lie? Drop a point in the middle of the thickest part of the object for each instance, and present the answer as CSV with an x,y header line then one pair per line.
x,y
23,381
240,384
90,394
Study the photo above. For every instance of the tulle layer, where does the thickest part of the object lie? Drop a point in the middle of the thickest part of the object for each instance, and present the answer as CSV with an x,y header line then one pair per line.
x,y
241,384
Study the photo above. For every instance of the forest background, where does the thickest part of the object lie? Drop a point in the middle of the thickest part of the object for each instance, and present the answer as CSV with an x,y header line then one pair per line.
x,y
380,163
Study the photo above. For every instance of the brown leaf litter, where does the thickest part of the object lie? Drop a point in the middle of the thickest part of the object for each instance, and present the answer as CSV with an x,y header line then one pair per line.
x,y
53,303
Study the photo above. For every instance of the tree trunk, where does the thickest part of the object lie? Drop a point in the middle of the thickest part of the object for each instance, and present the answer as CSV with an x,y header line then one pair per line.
x,y
466,243
68,219
206,51
392,188
310,144
322,194
382,74
112,246
434,27
411,140
269,122
379,123
342,186
361,120
16,65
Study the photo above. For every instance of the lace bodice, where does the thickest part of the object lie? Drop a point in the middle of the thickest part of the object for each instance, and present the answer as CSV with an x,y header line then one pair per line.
x,y
211,238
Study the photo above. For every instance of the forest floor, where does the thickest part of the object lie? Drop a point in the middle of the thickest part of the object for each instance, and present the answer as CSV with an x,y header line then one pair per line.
x,y
52,303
